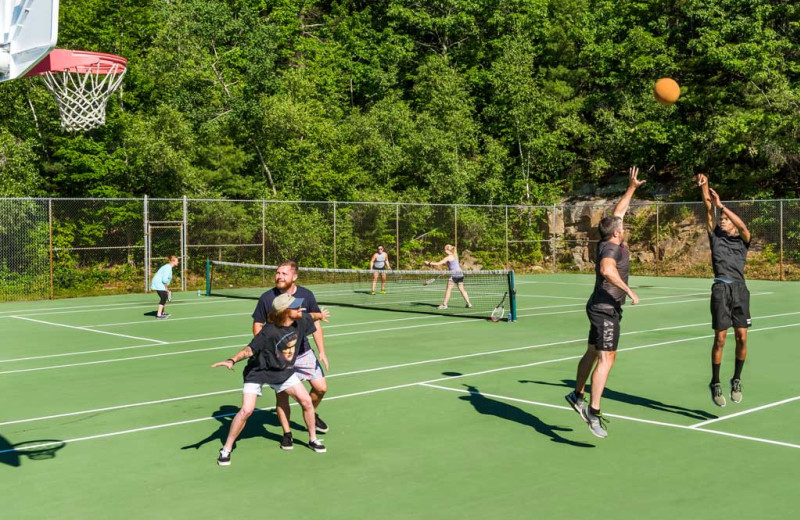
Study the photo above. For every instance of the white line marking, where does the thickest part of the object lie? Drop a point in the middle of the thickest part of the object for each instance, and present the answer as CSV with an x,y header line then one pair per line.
x,y
119,407
106,307
89,330
464,320
623,417
133,358
415,363
744,412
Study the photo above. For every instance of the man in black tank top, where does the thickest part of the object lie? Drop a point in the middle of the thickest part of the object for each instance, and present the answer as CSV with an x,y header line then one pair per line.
x,y
604,310
730,298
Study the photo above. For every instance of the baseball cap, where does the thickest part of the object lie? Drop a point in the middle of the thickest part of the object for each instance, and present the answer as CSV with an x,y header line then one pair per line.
x,y
286,301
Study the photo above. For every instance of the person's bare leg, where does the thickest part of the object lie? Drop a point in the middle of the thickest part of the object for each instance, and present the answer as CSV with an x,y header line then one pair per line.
x,y
585,368
464,294
447,292
605,360
283,411
240,419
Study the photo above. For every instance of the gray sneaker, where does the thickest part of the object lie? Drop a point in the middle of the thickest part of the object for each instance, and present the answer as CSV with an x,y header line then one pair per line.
x,y
736,390
716,394
576,403
597,423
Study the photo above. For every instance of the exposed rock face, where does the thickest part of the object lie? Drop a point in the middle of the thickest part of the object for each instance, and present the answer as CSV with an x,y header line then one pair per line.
x,y
685,241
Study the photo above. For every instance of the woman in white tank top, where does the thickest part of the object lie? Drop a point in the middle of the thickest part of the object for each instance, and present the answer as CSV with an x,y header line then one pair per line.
x,y
456,278
379,262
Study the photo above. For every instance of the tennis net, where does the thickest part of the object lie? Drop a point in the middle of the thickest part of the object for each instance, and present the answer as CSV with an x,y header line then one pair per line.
x,y
406,291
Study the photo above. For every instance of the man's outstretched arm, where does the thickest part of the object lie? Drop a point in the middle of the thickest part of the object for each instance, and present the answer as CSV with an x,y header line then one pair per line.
x,y
625,201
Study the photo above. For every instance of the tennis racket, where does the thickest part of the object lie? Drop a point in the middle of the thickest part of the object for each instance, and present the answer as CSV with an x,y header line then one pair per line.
x,y
499,311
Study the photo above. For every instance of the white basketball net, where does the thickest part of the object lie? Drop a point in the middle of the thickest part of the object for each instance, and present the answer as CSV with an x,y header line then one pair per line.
x,y
82,96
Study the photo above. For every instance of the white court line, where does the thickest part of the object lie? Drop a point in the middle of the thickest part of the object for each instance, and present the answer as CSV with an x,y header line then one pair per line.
x,y
89,330
623,417
464,320
408,385
415,363
105,307
744,412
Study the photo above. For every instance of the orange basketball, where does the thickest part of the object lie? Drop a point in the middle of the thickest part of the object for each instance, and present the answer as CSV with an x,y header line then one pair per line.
x,y
666,91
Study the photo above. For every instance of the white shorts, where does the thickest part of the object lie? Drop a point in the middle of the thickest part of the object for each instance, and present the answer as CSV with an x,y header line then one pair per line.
x,y
255,388
306,366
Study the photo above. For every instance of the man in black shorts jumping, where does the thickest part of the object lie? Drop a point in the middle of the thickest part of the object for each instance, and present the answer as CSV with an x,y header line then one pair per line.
x,y
604,309
730,299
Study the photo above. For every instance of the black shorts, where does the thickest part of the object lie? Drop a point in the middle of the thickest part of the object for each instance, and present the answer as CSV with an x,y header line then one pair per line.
x,y
164,295
457,279
604,328
730,305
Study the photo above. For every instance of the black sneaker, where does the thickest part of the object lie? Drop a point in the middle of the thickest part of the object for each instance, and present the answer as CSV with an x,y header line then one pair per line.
x,y
224,458
287,443
317,446
321,426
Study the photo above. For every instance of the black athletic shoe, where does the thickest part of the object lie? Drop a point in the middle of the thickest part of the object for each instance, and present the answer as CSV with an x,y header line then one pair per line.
x,y
224,458
317,446
287,443
321,426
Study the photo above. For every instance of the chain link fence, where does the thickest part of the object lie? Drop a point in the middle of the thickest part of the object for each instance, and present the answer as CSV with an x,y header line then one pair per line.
x,y
51,248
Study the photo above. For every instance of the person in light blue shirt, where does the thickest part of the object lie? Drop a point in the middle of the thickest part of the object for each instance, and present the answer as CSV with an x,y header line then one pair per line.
x,y
160,285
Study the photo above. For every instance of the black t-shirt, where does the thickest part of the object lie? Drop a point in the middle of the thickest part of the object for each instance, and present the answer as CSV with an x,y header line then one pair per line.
x,y
264,307
728,254
606,293
275,350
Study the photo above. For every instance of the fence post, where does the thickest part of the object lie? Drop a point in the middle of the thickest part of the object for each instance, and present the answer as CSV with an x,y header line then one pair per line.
x,y
146,218
781,240
50,232
455,227
263,238
507,266
553,240
334,234
658,232
397,234
184,242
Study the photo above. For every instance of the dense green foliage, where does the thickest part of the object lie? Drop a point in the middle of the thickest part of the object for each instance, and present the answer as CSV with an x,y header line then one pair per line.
x,y
453,101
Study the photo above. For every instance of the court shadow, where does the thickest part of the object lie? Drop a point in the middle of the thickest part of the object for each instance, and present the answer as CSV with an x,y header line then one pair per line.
x,y
256,426
150,313
486,406
39,449
637,400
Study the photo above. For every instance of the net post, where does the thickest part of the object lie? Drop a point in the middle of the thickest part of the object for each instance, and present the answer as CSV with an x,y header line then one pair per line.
x,y
512,295
208,277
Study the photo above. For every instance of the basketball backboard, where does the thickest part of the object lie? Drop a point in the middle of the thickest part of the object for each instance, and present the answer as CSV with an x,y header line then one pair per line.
x,y
28,32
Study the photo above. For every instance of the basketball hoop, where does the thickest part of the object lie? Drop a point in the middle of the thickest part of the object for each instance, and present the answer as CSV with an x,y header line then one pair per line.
x,y
82,82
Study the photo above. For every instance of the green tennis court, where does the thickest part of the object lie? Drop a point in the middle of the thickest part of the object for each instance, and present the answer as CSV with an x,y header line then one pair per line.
x,y
109,412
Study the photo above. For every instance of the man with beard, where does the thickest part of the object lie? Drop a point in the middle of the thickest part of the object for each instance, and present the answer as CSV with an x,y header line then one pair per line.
x,y
306,366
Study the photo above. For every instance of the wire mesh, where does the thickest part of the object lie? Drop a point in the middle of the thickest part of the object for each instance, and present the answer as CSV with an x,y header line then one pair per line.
x,y
24,245
99,246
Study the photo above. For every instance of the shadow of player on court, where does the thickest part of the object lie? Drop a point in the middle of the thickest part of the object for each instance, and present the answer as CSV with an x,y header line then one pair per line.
x,y
637,400
256,426
487,406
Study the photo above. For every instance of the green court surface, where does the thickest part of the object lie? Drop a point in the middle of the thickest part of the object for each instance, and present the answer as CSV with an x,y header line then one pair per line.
x,y
430,416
